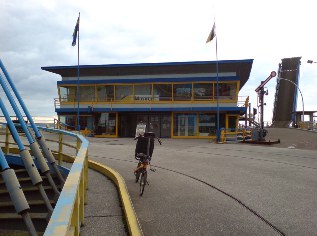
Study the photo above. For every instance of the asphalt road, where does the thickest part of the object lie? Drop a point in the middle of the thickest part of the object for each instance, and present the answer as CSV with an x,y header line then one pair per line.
x,y
202,188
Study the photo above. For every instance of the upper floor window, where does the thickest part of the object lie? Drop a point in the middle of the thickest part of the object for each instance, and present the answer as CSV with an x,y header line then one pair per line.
x,y
182,92
227,91
203,91
87,93
162,92
67,93
105,93
124,92
143,92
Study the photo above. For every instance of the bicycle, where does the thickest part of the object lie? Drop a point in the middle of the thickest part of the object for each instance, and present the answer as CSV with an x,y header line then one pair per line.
x,y
145,143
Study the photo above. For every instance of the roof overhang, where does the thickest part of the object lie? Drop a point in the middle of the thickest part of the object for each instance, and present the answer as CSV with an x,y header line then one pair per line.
x,y
242,68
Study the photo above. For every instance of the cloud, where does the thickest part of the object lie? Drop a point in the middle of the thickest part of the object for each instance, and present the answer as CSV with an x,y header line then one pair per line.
x,y
38,33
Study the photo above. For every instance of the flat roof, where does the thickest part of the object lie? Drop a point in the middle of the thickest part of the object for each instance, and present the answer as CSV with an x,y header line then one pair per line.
x,y
241,67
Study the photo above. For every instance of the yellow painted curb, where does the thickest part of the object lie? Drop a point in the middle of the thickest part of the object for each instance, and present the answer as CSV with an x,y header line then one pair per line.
x,y
131,217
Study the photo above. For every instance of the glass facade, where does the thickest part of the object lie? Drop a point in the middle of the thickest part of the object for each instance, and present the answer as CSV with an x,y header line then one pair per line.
x,y
87,93
67,93
185,124
227,91
207,124
124,92
182,92
105,93
143,92
154,92
70,121
163,92
105,123
203,91
199,124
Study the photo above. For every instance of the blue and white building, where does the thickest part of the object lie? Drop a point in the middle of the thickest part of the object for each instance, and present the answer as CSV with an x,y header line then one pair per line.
x,y
174,99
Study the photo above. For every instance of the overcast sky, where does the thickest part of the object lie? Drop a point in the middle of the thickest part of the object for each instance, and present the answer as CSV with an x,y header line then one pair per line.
x,y
36,33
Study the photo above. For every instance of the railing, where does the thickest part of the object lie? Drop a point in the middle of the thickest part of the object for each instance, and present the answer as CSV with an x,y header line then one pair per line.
x,y
307,125
58,102
60,125
68,147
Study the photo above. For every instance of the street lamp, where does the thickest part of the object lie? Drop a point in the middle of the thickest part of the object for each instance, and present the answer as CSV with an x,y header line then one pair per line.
x,y
311,61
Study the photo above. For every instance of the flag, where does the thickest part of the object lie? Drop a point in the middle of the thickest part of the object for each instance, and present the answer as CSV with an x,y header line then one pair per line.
x,y
75,32
212,34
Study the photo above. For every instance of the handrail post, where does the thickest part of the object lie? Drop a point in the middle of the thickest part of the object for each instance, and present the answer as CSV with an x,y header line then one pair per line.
x,y
60,148
7,142
86,178
82,198
78,145
75,216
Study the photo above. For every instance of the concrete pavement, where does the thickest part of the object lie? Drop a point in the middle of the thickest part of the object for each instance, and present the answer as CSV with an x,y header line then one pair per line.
x,y
209,189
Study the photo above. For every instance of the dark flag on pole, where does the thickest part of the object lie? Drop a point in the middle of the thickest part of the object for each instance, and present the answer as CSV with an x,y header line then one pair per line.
x,y
75,32
212,34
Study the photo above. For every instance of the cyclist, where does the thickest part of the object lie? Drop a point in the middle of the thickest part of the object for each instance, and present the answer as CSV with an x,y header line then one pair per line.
x,y
144,149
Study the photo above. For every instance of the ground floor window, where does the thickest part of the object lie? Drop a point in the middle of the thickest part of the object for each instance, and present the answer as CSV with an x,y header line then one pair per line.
x,y
185,124
105,123
70,121
163,124
197,124
207,124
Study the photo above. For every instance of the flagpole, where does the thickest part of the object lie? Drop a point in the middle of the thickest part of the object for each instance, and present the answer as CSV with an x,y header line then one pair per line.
x,y
217,69
78,92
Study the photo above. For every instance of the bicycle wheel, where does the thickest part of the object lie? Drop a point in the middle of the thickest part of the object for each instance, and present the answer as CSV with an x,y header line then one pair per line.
x,y
137,174
143,182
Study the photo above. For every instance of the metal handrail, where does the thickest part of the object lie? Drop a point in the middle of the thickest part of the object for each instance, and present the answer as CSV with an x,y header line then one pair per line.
x,y
58,102
68,214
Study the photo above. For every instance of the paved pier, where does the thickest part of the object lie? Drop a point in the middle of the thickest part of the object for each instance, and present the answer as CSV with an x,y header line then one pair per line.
x,y
202,188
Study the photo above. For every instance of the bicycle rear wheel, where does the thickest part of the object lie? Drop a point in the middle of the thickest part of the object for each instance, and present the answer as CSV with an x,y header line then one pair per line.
x,y
143,182
137,174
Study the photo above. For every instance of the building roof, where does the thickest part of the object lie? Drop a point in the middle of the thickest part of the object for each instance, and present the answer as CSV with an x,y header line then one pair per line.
x,y
241,67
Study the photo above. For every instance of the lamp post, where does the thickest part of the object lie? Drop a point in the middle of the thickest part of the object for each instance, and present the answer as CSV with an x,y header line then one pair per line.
x,y
299,92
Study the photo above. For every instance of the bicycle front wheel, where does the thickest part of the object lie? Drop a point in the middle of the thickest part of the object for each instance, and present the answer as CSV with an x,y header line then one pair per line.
x,y
143,182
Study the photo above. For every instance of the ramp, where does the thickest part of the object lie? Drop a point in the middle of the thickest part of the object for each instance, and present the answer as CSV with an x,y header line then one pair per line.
x,y
286,93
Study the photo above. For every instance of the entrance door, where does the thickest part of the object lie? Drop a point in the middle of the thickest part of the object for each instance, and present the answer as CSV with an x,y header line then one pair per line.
x,y
232,123
186,125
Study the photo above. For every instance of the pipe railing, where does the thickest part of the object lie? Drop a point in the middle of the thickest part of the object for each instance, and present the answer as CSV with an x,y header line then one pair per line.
x,y
60,102
68,214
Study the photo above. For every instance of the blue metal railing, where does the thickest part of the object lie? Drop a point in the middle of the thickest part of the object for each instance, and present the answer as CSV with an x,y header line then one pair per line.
x,y
73,194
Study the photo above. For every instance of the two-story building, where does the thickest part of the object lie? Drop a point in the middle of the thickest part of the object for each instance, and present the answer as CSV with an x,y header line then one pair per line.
x,y
174,99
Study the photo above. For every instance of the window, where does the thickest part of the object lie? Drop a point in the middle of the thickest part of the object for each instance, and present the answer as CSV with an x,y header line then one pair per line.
x,y
143,92
87,93
182,92
70,121
105,93
67,93
124,92
207,124
227,90
105,123
185,124
203,91
162,92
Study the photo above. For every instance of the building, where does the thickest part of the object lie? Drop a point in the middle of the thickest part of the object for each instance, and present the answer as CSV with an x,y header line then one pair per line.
x,y
174,99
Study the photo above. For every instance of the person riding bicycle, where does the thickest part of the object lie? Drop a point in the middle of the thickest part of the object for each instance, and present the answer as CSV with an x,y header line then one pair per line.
x,y
144,148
